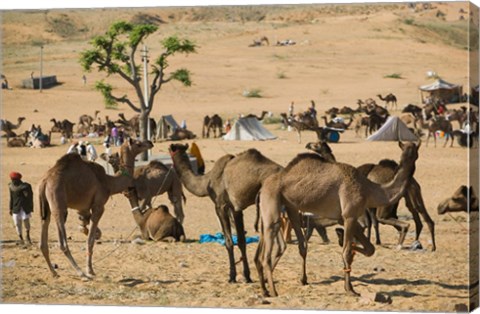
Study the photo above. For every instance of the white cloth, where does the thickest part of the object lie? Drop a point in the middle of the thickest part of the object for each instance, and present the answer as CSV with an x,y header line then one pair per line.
x,y
92,152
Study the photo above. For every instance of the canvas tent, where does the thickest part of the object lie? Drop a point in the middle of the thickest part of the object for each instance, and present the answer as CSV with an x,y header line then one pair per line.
x,y
165,125
393,130
248,129
442,90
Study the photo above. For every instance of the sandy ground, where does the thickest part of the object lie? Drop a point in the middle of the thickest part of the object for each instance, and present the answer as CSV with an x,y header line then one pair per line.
x,y
338,59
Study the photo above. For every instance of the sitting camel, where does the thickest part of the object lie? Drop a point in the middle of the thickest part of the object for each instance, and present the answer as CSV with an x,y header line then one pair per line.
x,y
259,118
85,187
158,224
462,200
152,180
335,191
8,127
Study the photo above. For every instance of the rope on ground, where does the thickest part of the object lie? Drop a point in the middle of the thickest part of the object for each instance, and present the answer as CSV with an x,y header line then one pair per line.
x,y
116,248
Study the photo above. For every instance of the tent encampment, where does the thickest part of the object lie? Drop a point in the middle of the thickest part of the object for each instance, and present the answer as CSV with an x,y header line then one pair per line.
x,y
393,130
248,129
442,90
165,125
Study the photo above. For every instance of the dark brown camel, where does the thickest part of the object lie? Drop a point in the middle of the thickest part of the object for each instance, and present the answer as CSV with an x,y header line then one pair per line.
x,y
85,187
230,192
439,124
389,99
337,125
87,120
462,200
335,191
297,125
259,118
213,123
382,173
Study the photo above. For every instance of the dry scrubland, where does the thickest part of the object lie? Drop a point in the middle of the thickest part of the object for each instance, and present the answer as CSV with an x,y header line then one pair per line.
x,y
343,53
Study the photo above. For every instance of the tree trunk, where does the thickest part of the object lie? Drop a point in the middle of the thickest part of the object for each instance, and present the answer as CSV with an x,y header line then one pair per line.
x,y
143,121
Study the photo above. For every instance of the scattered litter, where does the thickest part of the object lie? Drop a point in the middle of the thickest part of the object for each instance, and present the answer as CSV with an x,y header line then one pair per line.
x,y
182,265
219,238
138,241
10,263
378,297
416,246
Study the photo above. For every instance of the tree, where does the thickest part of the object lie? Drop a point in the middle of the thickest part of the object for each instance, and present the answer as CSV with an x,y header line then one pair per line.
x,y
115,53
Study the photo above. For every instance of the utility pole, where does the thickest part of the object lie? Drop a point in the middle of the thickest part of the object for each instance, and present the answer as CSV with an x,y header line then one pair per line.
x,y
41,69
145,92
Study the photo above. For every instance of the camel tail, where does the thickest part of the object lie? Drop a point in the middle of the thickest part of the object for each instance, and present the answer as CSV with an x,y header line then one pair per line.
x,y
42,201
257,205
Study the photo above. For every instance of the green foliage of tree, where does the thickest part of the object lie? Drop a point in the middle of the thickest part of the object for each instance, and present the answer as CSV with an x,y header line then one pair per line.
x,y
117,53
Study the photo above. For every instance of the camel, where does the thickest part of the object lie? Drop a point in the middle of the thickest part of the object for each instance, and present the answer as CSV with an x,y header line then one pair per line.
x,y
415,110
382,173
8,127
87,120
259,42
337,125
36,138
18,141
462,200
299,126
158,224
65,127
152,180
182,134
230,192
459,115
85,187
212,123
132,126
259,118
336,191
439,124
390,98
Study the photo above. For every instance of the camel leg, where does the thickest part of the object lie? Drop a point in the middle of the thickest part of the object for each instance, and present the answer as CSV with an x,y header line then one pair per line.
x,y
175,198
62,238
271,232
414,202
372,214
401,226
242,245
347,254
44,244
222,214
259,256
97,213
295,217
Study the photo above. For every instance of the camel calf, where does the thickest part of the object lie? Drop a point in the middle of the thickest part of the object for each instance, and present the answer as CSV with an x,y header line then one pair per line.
x,y
158,224
462,200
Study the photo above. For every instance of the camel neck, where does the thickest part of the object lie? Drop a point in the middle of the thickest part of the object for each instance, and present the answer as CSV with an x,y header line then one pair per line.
x,y
195,184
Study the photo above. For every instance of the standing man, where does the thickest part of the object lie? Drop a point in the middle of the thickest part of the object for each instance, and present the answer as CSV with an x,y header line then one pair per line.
x,y
21,204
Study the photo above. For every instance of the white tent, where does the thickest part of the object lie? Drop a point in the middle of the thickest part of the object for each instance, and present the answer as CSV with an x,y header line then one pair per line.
x,y
165,125
448,92
393,130
248,129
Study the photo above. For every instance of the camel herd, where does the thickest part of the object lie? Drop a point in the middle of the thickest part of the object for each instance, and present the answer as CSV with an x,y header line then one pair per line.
x,y
313,183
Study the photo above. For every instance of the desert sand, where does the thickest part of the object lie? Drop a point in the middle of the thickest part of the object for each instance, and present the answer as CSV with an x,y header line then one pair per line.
x,y
342,53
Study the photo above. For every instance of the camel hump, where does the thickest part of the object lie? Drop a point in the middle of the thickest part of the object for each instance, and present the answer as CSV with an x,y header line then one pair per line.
x,y
304,156
157,164
388,163
163,209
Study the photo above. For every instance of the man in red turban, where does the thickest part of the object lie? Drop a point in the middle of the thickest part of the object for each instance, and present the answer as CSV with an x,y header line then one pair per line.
x,y
21,204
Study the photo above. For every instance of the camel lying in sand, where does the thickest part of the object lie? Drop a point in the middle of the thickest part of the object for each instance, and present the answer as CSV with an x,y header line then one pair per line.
x,y
462,200
152,180
158,224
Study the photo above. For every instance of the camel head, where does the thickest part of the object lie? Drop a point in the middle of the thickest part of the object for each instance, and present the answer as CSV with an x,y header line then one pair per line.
x,y
321,148
462,200
20,119
409,151
177,148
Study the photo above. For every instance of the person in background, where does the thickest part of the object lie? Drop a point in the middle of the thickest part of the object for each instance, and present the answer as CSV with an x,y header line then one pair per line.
x,y
82,150
73,149
183,125
21,205
91,151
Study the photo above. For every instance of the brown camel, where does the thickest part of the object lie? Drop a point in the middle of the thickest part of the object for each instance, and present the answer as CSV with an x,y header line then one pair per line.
x,y
439,124
213,123
84,186
158,224
182,134
87,120
8,127
259,118
259,42
462,200
382,173
65,127
152,180
298,126
230,192
18,141
335,191
132,126
389,99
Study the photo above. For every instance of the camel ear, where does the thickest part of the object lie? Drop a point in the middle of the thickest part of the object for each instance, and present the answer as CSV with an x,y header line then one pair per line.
x,y
401,145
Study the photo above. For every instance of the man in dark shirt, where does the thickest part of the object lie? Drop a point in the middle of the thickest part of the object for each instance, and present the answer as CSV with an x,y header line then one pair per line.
x,y
21,204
